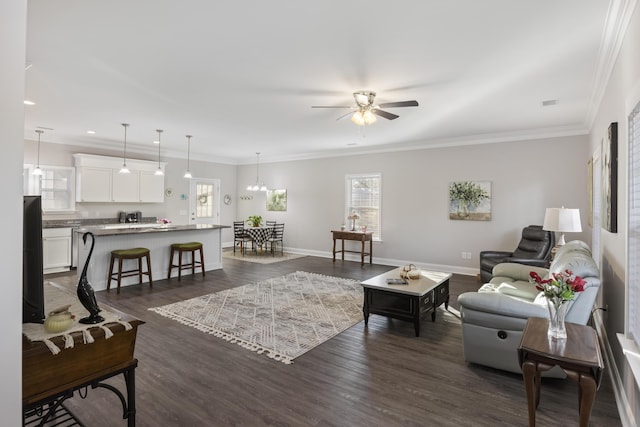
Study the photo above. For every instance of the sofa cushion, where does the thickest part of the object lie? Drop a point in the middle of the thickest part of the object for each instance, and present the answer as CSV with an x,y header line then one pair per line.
x,y
519,289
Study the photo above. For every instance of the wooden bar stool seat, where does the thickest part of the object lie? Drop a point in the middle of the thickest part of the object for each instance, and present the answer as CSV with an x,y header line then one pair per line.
x,y
122,254
182,248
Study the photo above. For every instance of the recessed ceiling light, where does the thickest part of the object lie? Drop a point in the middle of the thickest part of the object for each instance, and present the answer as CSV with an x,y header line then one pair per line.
x,y
27,102
156,141
91,132
549,102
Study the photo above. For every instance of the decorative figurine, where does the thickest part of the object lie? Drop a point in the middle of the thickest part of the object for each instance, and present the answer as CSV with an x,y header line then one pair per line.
x,y
85,292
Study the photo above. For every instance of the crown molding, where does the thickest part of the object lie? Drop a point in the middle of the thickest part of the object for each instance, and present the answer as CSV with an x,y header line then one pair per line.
x,y
615,27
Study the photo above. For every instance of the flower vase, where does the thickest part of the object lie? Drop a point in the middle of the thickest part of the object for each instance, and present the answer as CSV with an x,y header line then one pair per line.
x,y
557,312
463,208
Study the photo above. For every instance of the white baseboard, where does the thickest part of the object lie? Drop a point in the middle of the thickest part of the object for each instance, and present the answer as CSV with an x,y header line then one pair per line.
x,y
624,409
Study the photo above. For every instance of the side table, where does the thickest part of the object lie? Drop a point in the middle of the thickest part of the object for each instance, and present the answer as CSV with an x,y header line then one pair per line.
x,y
579,357
359,236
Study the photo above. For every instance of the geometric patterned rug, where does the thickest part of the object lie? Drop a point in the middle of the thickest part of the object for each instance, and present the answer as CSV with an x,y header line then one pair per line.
x,y
282,318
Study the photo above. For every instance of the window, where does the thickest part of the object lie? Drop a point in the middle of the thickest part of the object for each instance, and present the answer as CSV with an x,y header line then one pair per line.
x,y
56,185
363,193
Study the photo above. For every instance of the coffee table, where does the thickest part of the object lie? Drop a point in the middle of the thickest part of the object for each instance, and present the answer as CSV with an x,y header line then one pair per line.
x,y
408,302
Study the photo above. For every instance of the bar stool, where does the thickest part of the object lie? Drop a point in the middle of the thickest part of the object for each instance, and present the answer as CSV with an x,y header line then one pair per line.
x,y
135,253
186,247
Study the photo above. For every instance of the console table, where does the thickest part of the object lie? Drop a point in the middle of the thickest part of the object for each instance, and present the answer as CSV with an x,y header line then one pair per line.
x,y
359,236
578,355
48,379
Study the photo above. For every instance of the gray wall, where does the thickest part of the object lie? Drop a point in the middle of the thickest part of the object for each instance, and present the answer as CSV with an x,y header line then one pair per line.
x,y
526,178
622,93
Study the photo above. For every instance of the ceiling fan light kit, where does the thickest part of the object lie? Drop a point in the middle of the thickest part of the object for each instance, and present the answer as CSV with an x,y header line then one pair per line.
x,y
365,111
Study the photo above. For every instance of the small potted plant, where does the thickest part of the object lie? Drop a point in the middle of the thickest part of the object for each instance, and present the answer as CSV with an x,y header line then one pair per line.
x,y
254,220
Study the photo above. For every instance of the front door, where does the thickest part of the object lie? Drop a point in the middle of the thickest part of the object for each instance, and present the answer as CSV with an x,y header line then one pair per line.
x,y
204,196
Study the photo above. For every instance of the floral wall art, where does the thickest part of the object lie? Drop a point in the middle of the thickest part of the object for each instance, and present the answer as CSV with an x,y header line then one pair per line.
x,y
470,200
277,200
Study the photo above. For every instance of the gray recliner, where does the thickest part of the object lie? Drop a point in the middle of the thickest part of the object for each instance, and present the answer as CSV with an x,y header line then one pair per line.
x,y
494,317
534,248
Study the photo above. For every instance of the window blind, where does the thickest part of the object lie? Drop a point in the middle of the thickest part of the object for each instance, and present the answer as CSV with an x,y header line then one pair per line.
x,y
363,197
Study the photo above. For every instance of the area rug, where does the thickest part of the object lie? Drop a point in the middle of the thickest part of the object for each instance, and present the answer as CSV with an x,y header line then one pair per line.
x,y
282,318
261,259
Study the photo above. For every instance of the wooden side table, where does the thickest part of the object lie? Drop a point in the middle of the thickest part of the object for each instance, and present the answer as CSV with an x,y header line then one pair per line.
x,y
579,357
359,236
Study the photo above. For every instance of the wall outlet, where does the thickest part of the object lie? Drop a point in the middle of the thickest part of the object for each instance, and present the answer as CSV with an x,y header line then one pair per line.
x,y
466,255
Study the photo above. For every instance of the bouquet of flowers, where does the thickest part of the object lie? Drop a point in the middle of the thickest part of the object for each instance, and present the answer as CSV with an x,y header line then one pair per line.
x,y
559,287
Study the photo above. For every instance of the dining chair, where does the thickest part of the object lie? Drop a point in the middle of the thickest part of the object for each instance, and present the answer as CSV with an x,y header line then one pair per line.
x,y
277,238
270,223
240,237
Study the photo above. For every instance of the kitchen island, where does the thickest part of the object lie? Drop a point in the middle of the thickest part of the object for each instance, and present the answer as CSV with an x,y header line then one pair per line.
x,y
157,238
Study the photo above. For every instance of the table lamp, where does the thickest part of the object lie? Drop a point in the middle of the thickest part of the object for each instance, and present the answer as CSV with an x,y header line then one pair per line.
x,y
562,220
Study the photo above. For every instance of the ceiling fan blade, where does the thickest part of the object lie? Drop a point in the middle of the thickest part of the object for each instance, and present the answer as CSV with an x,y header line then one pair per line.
x,y
329,106
345,115
399,104
385,114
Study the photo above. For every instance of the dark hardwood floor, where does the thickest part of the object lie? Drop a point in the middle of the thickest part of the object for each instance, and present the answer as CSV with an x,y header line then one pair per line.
x,y
381,375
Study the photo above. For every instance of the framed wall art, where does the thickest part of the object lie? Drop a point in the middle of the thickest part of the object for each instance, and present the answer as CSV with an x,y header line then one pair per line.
x,y
277,200
610,179
470,200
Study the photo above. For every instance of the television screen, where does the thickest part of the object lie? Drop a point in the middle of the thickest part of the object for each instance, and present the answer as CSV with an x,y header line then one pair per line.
x,y
32,268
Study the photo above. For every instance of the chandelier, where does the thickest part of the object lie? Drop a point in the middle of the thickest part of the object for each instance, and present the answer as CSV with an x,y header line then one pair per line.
x,y
258,186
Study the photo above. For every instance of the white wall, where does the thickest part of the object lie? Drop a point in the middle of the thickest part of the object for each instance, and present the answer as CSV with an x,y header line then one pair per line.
x,y
526,177
623,84
13,18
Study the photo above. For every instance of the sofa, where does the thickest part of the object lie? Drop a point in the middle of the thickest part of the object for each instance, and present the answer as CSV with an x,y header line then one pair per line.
x,y
534,248
494,317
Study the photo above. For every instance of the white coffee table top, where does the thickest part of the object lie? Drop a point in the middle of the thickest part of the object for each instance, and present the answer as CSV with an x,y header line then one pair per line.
x,y
428,280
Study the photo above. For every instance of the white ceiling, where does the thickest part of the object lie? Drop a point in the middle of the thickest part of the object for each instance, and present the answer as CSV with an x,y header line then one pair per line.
x,y
241,75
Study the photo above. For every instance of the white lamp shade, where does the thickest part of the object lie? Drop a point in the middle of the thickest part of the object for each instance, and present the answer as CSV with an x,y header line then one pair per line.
x,y
562,220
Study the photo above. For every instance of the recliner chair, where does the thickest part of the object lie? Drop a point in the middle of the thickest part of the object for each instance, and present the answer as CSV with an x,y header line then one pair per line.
x,y
534,249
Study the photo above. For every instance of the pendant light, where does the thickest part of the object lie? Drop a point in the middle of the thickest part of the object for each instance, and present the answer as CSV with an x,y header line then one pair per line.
x,y
258,186
37,170
159,170
187,174
124,168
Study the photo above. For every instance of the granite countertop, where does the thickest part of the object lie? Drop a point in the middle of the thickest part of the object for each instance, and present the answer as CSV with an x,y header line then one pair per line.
x,y
86,222
136,228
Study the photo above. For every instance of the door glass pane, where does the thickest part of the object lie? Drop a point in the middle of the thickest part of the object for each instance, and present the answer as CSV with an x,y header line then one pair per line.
x,y
204,206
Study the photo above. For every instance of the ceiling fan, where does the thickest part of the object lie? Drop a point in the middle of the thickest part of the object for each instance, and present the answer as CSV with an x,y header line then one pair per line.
x,y
365,111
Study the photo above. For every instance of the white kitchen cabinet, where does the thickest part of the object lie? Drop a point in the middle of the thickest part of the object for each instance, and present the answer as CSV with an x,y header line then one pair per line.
x,y
93,184
151,187
56,249
125,186
99,180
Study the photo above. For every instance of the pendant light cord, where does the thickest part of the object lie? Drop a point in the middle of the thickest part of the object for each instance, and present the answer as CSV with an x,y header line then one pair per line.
x,y
124,155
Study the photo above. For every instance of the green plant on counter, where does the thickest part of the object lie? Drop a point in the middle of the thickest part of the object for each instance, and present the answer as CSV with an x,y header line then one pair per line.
x,y
255,220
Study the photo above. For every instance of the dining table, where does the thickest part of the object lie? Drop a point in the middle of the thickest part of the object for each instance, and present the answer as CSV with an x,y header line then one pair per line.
x,y
259,234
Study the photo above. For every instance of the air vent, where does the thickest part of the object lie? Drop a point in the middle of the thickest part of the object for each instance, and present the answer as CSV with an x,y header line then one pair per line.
x,y
549,102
